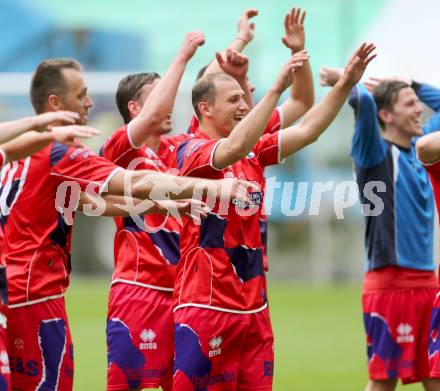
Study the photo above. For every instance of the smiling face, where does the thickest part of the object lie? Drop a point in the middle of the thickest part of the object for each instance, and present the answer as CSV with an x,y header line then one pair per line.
x,y
406,112
75,97
227,107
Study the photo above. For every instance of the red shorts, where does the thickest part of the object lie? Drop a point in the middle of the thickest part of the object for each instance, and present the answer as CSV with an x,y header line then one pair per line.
x,y
139,338
217,350
397,330
5,371
40,347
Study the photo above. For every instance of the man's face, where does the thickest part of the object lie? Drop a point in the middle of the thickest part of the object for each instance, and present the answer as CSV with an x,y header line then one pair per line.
x,y
166,124
76,98
229,106
406,112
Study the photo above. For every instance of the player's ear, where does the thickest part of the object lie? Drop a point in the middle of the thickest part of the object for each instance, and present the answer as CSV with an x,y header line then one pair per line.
x,y
54,102
385,116
204,109
133,108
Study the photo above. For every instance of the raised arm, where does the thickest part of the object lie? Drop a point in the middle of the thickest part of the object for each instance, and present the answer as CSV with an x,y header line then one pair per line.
x,y
428,148
302,94
245,34
160,102
321,116
31,142
246,134
39,123
368,147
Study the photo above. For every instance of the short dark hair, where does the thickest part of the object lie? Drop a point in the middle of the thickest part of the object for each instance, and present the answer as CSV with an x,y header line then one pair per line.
x,y
48,79
201,72
129,88
385,95
204,90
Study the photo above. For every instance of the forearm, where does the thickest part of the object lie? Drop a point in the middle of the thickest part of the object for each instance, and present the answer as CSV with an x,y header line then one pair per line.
x,y
237,44
428,94
12,129
159,103
302,96
315,122
26,145
428,148
249,99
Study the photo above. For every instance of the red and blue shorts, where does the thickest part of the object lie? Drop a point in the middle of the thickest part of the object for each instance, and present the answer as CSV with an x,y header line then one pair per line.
x,y
434,340
5,371
139,338
217,350
397,330
40,347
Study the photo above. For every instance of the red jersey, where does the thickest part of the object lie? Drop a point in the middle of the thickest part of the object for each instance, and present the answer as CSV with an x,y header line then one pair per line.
x,y
146,249
275,124
221,263
434,176
37,239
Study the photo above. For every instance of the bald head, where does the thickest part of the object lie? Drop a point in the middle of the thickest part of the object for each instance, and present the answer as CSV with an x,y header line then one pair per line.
x,y
205,90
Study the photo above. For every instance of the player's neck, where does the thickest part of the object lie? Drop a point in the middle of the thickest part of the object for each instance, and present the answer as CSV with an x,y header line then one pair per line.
x,y
210,130
397,137
153,142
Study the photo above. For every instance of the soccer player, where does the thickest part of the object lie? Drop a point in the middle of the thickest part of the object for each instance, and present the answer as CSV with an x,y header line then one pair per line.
x,y
140,318
223,338
400,284
17,149
302,93
37,238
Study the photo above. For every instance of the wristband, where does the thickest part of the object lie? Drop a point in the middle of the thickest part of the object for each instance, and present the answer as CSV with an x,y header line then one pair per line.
x,y
242,39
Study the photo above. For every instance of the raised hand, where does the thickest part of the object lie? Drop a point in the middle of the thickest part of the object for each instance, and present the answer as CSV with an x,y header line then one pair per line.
x,y
357,64
294,37
246,29
328,77
372,82
190,44
285,77
68,134
235,64
46,121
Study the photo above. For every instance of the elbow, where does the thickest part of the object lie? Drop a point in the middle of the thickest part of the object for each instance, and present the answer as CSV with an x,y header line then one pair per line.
x,y
424,150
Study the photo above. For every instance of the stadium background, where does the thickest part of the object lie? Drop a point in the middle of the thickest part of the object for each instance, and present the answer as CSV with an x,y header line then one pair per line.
x,y
316,261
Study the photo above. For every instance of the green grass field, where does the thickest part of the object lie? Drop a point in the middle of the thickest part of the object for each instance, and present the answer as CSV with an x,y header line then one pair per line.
x,y
318,334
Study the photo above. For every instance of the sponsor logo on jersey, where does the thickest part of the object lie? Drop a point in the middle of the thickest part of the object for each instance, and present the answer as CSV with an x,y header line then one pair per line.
x,y
250,155
148,337
194,147
83,152
256,198
19,343
215,343
404,331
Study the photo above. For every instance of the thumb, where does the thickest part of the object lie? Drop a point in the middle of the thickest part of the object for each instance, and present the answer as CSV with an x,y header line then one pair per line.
x,y
219,58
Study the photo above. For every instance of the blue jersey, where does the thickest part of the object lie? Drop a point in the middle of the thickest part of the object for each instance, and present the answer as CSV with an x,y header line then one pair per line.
x,y
402,235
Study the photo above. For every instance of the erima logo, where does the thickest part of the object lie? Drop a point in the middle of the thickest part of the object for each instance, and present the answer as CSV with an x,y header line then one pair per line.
x,y
148,336
19,343
215,346
404,330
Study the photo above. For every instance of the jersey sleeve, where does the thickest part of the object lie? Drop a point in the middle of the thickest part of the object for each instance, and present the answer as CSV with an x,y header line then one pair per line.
x,y
119,148
80,165
430,96
2,158
275,122
268,149
194,158
368,147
